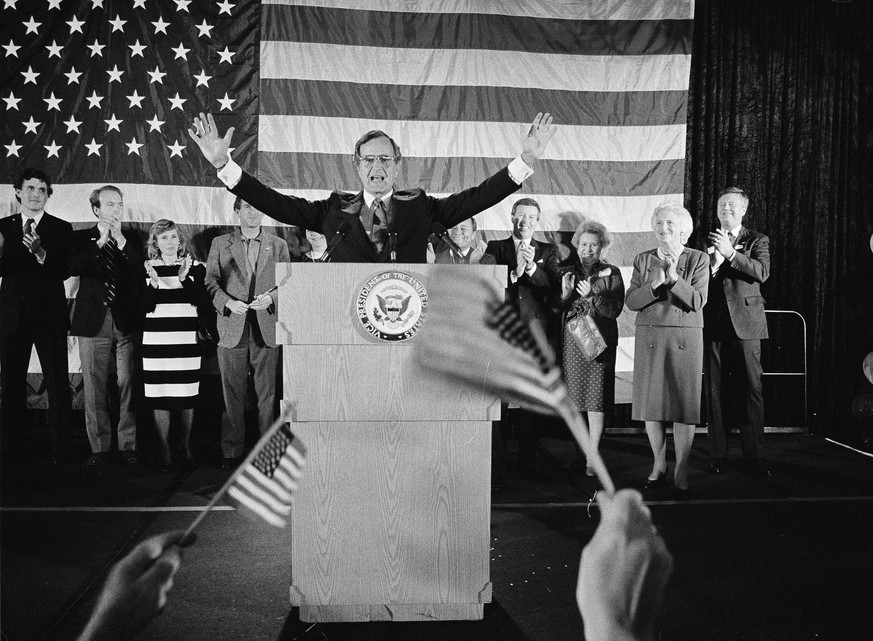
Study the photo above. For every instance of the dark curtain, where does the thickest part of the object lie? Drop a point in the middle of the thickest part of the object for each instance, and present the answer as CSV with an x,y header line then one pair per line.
x,y
781,104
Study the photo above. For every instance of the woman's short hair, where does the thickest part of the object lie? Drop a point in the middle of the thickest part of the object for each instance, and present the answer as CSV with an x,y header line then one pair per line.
x,y
161,226
592,227
686,223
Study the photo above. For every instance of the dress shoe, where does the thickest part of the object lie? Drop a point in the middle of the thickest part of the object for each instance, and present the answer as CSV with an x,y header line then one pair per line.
x,y
589,471
717,465
658,482
129,457
229,463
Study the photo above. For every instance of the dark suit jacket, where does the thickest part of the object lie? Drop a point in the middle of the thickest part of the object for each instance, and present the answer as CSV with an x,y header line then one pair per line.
x,y
735,290
228,278
89,309
532,293
412,212
31,294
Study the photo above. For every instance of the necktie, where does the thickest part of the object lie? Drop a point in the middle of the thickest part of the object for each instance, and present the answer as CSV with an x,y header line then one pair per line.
x,y
380,222
731,238
252,248
109,261
28,227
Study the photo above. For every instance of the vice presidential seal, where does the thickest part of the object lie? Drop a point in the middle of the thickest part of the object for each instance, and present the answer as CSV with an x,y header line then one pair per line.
x,y
391,306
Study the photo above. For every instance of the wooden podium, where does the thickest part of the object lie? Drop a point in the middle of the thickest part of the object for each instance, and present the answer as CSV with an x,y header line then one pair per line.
x,y
392,517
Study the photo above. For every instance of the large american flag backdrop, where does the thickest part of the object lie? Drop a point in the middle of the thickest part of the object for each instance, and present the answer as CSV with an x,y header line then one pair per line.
x,y
102,91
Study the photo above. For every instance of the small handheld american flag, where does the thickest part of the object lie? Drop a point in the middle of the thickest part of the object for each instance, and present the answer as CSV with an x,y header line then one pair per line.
x,y
471,326
265,483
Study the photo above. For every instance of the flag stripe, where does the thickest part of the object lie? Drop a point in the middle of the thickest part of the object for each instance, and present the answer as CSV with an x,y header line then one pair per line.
x,y
245,501
311,134
589,178
404,66
475,31
636,10
470,104
264,490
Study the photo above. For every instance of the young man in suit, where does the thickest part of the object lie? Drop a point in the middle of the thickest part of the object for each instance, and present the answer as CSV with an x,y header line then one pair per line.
x,y
240,277
532,281
34,255
109,264
385,225
734,324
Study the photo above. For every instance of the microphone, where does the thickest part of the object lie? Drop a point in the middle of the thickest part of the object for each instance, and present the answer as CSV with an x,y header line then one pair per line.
x,y
440,230
338,237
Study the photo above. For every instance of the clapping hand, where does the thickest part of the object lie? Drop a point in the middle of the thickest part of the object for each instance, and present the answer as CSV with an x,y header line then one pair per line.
x,y
33,243
524,259
567,283
722,243
185,267
262,301
537,138
214,147
152,274
623,572
670,263
236,306
583,287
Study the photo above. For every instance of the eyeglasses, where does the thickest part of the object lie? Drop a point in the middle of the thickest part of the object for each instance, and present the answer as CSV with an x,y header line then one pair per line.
x,y
371,160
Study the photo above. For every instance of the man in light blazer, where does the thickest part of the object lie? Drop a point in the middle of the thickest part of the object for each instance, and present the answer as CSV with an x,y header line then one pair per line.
x,y
34,256
240,277
531,283
734,324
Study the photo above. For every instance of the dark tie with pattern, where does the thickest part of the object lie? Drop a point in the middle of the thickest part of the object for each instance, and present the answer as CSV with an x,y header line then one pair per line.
x,y
109,261
380,222
28,227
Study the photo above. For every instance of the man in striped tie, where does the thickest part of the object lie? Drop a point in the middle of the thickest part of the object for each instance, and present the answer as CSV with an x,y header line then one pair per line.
x,y
109,264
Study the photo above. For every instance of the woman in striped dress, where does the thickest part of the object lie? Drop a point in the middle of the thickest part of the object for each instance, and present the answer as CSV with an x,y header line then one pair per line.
x,y
171,355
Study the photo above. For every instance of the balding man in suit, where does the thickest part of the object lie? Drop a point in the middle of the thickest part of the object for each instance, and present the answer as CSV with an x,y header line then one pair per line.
x,y
734,324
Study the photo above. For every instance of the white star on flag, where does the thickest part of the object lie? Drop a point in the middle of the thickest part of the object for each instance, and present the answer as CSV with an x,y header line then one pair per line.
x,y
139,4
75,25
226,102
224,7
161,26
203,79
54,4
11,101
133,147
204,29
12,149
118,24
115,74
225,56
73,76
52,102
11,49
29,75
135,99
96,48
52,149
113,123
156,76
94,100
155,124
181,52
182,5
176,149
54,49
136,49
72,124
30,126
32,26
93,147
177,102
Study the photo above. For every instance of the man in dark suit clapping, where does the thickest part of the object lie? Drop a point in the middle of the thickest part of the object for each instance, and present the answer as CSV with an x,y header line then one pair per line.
x,y
34,252
109,263
734,324
532,281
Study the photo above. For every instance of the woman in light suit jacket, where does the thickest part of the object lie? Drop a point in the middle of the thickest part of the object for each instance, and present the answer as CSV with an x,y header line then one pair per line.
x,y
668,291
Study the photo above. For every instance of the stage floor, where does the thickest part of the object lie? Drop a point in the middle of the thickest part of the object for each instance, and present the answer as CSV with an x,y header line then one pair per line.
x,y
784,558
